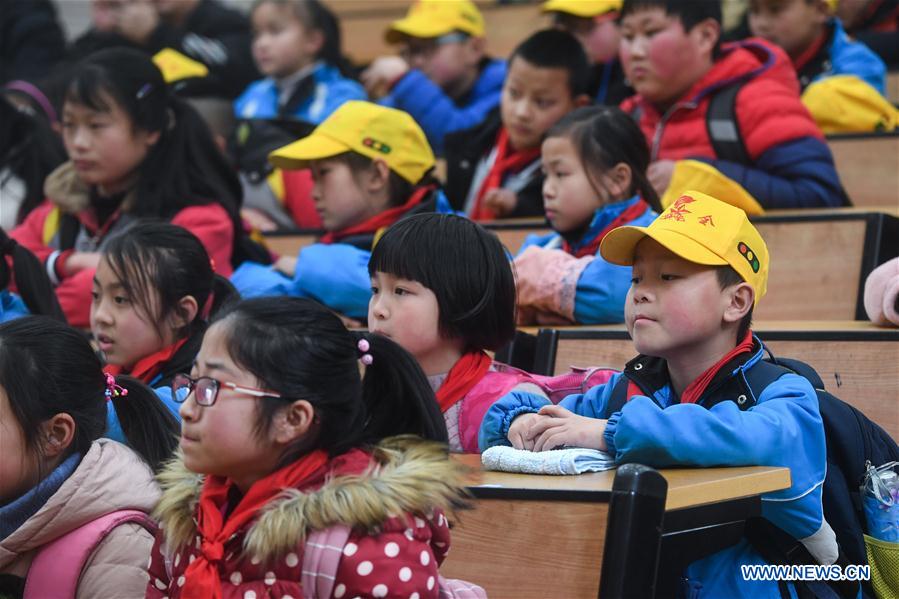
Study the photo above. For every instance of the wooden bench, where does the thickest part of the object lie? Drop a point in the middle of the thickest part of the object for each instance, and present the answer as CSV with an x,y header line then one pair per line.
x,y
858,362
543,536
868,165
893,87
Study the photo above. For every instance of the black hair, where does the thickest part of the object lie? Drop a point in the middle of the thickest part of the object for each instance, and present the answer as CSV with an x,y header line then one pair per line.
x,y
184,167
314,15
165,262
301,350
47,368
29,150
557,49
465,266
34,286
603,136
690,12
727,277
399,188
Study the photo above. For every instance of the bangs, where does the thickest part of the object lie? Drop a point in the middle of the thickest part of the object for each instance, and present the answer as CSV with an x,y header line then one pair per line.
x,y
411,254
91,88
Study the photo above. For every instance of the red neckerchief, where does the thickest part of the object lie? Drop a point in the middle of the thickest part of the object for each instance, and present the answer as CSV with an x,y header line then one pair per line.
x,y
462,377
382,219
695,389
633,212
148,367
810,52
507,160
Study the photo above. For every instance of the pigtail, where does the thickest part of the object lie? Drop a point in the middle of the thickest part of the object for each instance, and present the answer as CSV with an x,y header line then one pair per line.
x,y
33,284
647,191
223,295
331,52
396,393
148,425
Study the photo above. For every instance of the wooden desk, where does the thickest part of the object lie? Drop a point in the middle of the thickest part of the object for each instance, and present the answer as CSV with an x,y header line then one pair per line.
x,y
868,165
893,87
858,362
520,542
289,243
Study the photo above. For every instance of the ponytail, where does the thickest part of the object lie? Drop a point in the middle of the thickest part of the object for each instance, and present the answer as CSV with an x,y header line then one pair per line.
x,y
31,279
223,295
149,427
396,393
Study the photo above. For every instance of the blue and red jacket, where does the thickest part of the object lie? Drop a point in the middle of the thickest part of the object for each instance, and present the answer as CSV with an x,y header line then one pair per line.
x,y
791,165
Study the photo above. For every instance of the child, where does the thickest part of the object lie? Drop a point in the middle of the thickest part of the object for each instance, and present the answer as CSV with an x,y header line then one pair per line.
x,y
371,167
689,398
443,76
447,314
57,474
671,55
595,24
493,170
874,23
595,162
296,45
35,292
284,449
815,41
135,152
152,292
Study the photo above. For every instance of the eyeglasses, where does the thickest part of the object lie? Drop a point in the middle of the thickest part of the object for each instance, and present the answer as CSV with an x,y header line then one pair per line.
x,y
425,48
206,389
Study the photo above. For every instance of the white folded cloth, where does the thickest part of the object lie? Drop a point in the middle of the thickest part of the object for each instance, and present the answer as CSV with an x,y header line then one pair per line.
x,y
573,460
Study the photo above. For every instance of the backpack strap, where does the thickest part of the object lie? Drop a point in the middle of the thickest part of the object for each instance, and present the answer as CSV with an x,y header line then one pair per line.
x,y
723,127
57,567
321,556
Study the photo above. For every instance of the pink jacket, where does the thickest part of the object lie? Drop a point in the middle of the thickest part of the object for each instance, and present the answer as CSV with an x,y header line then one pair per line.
x,y
110,477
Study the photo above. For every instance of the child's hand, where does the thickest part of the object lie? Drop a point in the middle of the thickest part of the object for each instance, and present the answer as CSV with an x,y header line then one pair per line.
x,y
286,265
659,174
79,261
382,74
564,427
520,431
137,21
501,201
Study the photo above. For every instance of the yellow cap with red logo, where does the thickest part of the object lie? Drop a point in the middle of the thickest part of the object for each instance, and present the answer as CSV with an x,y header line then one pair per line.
x,y
702,230
433,18
374,131
582,8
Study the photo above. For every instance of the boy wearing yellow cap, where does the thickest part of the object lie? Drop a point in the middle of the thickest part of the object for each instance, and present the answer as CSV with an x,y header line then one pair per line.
x,y
690,398
443,77
595,24
371,166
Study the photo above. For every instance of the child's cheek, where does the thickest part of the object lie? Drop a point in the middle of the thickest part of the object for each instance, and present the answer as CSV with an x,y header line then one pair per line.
x,y
666,55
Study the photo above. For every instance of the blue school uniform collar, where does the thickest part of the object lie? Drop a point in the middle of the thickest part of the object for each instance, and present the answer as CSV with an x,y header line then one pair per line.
x,y
602,218
15,514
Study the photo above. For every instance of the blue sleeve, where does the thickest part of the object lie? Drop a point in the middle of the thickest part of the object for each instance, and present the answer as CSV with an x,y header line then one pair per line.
x,y
495,426
340,92
600,293
536,240
336,275
795,174
258,280
434,111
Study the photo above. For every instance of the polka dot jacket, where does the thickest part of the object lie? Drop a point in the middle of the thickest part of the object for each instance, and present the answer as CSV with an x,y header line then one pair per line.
x,y
398,537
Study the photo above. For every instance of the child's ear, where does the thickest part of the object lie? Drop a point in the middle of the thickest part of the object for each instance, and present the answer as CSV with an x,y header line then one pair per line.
x,y
706,33
620,178
185,312
313,41
378,177
57,434
152,138
294,422
742,298
475,48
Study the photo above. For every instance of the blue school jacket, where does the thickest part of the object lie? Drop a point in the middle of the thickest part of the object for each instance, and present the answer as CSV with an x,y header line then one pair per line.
x,y
783,428
847,56
329,91
602,287
11,306
436,113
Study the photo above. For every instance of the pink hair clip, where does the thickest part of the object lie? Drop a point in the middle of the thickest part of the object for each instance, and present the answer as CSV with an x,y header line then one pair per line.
x,y
113,389
364,346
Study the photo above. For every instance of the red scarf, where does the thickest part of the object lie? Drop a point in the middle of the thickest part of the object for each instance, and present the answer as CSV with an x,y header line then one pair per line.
x,y
380,220
202,576
810,52
633,212
147,368
462,377
507,161
695,389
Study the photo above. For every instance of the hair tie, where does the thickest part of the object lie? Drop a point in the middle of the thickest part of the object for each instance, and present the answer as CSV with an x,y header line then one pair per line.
x,y
35,93
364,346
113,389
144,91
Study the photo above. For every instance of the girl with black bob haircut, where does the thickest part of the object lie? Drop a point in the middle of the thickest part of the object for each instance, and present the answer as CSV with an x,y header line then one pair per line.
x,y
282,429
135,151
35,292
442,287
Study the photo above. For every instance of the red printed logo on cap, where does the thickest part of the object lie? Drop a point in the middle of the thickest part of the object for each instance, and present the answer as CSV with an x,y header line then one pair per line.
x,y
679,209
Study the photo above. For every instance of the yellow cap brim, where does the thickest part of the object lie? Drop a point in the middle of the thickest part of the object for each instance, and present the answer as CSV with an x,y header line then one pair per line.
x,y
577,9
415,27
314,147
618,246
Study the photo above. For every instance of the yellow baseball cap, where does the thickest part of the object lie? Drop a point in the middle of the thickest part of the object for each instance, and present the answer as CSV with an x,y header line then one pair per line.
x,y
582,8
702,230
434,18
368,129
